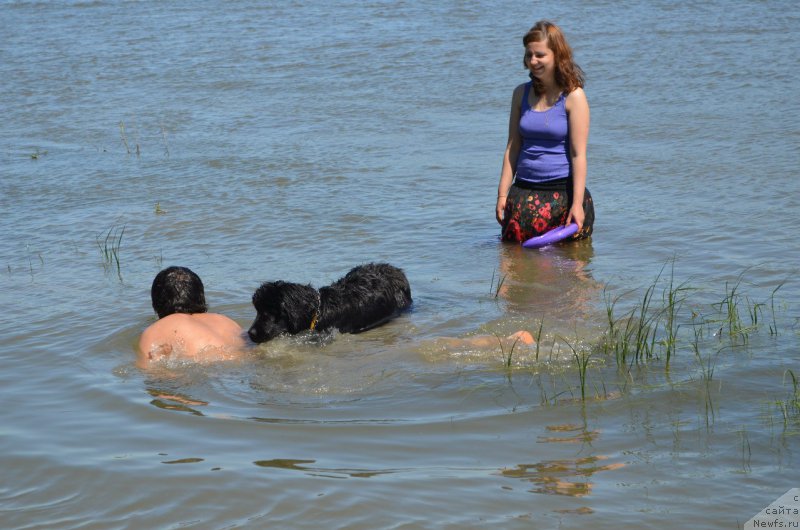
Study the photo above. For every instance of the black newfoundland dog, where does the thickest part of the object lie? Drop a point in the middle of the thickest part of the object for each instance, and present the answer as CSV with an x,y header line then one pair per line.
x,y
368,296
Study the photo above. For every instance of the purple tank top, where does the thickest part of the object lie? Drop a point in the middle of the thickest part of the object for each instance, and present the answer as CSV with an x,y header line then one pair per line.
x,y
545,134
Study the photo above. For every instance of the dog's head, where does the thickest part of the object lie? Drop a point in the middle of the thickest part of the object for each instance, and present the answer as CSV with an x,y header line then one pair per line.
x,y
282,307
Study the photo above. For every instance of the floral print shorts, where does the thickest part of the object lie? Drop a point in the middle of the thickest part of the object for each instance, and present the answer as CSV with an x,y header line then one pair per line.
x,y
533,209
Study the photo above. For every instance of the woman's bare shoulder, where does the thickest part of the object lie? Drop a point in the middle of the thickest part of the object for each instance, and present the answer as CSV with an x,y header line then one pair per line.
x,y
577,95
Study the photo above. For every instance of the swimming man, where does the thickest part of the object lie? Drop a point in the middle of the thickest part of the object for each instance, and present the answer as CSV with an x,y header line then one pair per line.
x,y
185,329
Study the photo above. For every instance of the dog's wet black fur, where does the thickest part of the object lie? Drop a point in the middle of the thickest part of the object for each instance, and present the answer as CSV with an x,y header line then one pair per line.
x,y
368,296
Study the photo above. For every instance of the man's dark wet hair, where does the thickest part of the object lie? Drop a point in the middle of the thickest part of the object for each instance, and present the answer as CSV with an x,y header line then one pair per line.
x,y
178,290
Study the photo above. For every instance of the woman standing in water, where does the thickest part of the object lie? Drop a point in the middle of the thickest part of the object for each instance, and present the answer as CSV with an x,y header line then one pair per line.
x,y
543,180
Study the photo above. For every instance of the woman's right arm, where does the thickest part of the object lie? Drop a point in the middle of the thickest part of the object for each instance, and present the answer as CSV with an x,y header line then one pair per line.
x,y
511,153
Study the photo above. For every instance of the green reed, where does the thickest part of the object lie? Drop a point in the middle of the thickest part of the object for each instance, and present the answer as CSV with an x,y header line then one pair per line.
x,y
735,308
755,310
538,338
644,345
581,357
618,337
773,328
499,286
164,137
634,334
673,297
544,398
731,318
110,247
706,364
124,137
611,342
507,357
790,407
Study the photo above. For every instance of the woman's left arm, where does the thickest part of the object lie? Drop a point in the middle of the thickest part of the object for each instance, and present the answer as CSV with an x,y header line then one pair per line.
x,y
578,115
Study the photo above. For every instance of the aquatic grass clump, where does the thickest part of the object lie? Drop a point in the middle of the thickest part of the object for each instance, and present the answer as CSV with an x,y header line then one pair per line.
x,y
634,334
649,330
37,154
734,305
632,337
110,246
615,338
653,331
731,317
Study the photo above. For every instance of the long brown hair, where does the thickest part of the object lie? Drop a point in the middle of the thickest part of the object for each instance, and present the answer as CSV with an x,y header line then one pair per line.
x,y
569,75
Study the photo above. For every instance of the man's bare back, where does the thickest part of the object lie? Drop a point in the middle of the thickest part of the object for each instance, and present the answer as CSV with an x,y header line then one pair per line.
x,y
198,337
186,331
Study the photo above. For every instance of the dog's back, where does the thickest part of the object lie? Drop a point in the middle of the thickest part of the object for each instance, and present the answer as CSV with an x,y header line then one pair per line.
x,y
368,296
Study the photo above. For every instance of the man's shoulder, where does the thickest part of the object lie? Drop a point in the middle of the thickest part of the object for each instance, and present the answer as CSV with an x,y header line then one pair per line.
x,y
189,319
183,322
186,319
210,318
167,323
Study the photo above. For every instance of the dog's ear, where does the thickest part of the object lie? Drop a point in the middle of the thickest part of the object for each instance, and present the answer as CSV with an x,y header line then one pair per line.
x,y
289,306
267,322
266,296
298,304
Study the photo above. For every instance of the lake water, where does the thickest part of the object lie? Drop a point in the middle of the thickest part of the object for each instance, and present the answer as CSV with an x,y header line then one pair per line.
x,y
253,141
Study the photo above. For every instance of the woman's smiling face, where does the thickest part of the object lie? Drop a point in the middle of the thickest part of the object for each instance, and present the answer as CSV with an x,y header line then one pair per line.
x,y
540,60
